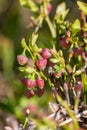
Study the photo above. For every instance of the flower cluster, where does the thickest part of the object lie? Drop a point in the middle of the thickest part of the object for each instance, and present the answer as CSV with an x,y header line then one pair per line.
x,y
36,81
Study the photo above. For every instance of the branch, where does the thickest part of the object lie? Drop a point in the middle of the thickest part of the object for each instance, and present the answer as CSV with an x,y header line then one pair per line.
x,y
70,119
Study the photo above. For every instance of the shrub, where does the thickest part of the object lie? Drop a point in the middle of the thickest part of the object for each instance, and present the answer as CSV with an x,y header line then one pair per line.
x,y
63,67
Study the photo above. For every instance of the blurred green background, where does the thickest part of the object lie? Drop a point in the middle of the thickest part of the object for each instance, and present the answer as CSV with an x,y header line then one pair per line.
x,y
14,21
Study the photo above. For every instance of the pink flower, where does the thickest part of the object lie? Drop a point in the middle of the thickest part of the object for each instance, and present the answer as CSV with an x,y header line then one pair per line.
x,y
46,53
78,86
49,8
22,59
77,51
68,33
29,83
40,83
39,92
64,43
29,93
41,64
84,56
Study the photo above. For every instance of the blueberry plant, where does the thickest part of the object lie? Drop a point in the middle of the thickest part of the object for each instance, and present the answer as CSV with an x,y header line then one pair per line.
x,y
63,67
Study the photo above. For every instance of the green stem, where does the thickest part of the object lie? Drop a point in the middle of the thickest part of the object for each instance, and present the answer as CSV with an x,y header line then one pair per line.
x,y
76,105
30,53
52,30
84,97
25,123
84,88
50,83
27,119
42,74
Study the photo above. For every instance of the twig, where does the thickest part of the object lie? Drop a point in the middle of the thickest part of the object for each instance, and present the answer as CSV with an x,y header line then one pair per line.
x,y
70,119
51,116
77,101
66,93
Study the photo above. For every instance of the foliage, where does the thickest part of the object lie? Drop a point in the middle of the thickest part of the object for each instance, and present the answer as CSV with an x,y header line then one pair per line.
x,y
62,67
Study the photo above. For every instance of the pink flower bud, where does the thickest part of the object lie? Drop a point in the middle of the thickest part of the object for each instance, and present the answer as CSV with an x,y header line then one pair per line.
x,y
84,56
22,59
67,40
63,43
71,53
78,86
40,83
49,8
46,53
77,51
39,92
68,33
31,107
29,93
59,74
28,83
41,64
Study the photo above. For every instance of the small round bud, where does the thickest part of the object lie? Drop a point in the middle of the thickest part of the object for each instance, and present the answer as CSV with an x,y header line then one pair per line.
x,y
29,93
39,92
84,56
27,111
49,8
22,59
77,51
28,83
71,53
46,53
40,83
41,64
68,33
64,43
78,86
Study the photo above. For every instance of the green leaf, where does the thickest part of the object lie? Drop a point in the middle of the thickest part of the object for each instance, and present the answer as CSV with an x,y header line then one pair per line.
x,y
59,18
23,2
82,6
78,72
76,26
29,70
84,79
84,88
61,7
53,60
36,49
74,39
34,39
85,27
22,69
57,68
61,12
23,43
29,4
85,40
80,43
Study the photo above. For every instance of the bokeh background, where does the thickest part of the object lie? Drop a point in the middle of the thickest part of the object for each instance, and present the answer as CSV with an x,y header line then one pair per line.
x,y
14,21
